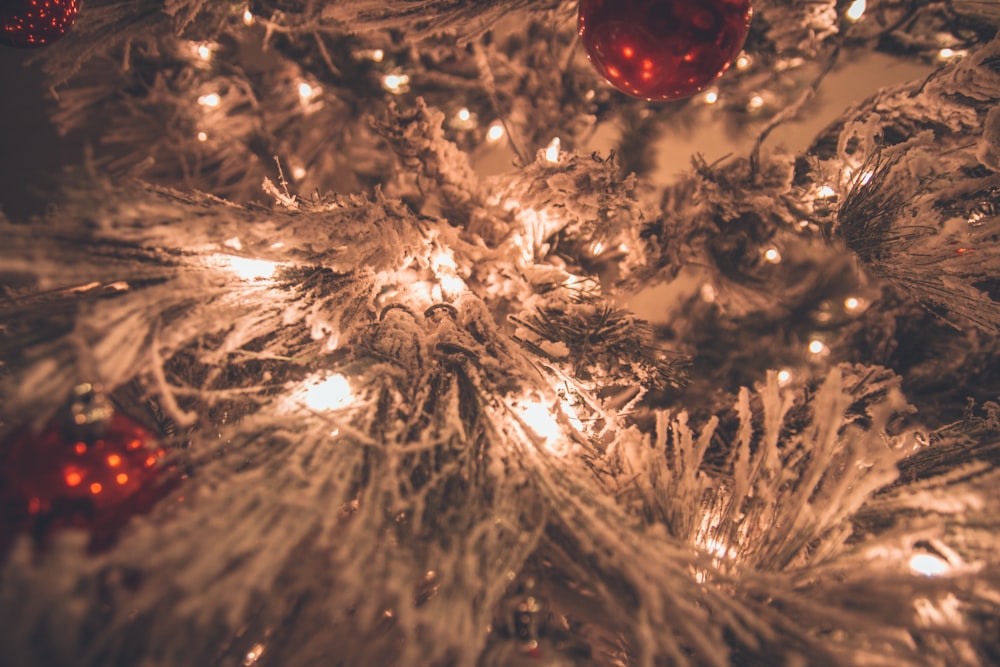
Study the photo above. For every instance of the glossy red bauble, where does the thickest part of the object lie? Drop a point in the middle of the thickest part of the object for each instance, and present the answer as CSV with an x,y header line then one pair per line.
x,y
96,480
31,23
663,49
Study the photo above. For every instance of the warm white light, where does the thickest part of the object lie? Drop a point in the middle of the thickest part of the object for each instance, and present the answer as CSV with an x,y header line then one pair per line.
x,y
204,51
244,267
305,91
298,173
856,10
772,255
325,393
928,565
210,100
755,102
496,132
247,17
202,136
784,377
378,55
540,420
946,53
589,95
711,96
825,192
395,83
552,151
816,346
464,115
253,655
743,61
852,303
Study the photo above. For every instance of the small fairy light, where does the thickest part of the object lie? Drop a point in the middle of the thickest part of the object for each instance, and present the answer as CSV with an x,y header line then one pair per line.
x,y
211,100
495,132
817,347
298,173
395,83
244,268
743,61
203,137
755,102
248,18
711,96
253,655
552,150
204,51
329,392
856,10
826,192
538,417
772,255
946,54
852,304
928,565
784,377
464,115
306,92
378,55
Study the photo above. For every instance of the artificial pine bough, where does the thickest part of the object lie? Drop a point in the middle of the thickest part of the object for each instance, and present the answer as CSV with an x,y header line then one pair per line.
x,y
405,413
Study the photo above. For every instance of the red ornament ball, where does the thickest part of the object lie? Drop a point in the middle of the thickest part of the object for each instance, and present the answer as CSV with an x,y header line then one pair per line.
x,y
31,23
93,477
663,49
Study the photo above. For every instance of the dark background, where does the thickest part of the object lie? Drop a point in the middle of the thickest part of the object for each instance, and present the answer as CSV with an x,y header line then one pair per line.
x,y
31,151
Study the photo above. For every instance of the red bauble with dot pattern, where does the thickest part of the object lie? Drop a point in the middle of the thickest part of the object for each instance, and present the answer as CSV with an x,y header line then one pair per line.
x,y
87,475
663,49
31,23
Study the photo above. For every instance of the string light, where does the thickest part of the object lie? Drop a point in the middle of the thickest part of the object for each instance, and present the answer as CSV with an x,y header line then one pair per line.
x,y
244,267
204,51
856,10
202,137
495,132
826,192
711,96
784,377
928,565
949,54
552,151
210,100
298,173
743,61
817,346
321,393
852,303
755,103
395,83
772,255
253,655
247,17
305,92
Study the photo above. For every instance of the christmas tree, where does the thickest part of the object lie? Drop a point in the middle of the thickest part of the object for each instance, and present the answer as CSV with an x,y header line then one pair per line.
x,y
393,333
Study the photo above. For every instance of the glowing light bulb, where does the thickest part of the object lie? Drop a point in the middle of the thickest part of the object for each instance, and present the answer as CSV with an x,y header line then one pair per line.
x,y
852,303
464,115
552,151
711,96
298,173
306,92
817,346
755,102
784,377
743,61
928,565
378,55
325,392
946,53
395,83
825,192
253,655
210,100
856,10
772,255
540,420
244,267
203,136
204,51
496,132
